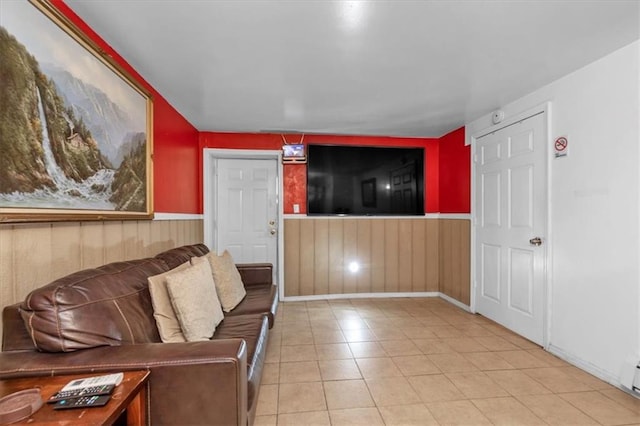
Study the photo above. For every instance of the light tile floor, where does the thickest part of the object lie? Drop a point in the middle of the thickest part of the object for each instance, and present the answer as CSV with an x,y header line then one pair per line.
x,y
420,362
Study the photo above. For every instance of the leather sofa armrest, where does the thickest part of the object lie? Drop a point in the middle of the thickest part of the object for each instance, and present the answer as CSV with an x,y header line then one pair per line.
x,y
255,273
190,383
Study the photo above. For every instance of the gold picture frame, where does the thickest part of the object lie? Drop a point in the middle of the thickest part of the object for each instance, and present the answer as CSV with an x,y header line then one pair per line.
x,y
76,130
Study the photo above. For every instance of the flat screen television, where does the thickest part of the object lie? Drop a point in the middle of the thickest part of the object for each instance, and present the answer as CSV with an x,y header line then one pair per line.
x,y
365,180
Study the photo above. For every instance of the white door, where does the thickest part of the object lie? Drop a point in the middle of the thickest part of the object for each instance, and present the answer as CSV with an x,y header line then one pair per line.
x,y
510,205
246,222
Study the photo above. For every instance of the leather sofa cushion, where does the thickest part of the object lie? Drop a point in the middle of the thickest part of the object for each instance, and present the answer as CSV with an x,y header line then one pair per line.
x,y
254,329
260,299
177,256
105,306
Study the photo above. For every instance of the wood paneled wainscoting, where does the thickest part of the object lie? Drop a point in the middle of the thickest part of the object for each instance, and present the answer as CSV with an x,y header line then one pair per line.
x,y
393,255
32,255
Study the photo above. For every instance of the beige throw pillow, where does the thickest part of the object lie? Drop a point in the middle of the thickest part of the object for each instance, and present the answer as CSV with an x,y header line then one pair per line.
x,y
195,302
228,281
166,320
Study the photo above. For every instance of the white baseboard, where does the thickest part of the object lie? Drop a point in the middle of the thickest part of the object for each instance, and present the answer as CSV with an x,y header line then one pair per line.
x,y
455,302
587,366
357,296
377,296
177,216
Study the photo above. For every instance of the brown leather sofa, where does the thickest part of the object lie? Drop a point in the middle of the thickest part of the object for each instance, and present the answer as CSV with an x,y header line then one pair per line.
x,y
101,320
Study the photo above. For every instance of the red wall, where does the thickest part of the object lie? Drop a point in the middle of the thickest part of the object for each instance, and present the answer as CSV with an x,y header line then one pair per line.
x,y
455,173
295,176
177,186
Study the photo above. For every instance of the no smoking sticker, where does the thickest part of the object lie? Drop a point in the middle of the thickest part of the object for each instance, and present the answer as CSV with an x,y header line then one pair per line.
x,y
561,146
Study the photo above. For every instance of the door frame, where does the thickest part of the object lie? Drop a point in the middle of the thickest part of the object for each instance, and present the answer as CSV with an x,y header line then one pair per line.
x,y
210,209
544,108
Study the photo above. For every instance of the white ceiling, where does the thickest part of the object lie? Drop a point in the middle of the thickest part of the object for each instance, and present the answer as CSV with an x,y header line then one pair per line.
x,y
377,67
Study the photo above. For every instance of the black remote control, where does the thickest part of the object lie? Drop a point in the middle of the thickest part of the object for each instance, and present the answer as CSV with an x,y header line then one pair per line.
x,y
76,393
82,402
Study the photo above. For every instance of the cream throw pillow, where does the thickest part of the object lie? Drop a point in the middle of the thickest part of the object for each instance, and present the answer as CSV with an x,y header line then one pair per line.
x,y
227,279
166,320
195,302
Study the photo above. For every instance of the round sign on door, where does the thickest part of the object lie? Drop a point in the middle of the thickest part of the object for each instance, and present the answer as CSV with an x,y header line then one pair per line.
x,y
561,146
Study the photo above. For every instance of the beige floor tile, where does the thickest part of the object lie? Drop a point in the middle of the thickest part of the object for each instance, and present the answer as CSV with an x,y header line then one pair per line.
x,y
517,382
507,411
457,413
622,398
367,350
290,353
464,344
402,322
297,372
324,324
497,329
313,418
415,365
418,332
432,346
378,367
521,342
431,320
451,362
388,333
339,369
297,337
266,420
271,374
592,381
556,380
347,394
378,322
444,331
601,408
474,330
476,385
435,388
295,316
353,324
522,359
548,357
356,417
496,343
333,351
407,415
400,347
345,314
359,335
555,410
301,397
267,400
392,391
273,352
486,361
328,336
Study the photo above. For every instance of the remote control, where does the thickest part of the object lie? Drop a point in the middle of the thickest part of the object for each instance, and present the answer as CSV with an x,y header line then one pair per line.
x,y
82,402
108,379
76,393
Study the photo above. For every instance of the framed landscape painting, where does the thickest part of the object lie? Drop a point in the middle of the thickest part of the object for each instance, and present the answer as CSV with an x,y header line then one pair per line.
x,y
75,129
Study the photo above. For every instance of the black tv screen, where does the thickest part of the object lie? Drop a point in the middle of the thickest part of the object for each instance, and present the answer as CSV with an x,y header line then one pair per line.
x,y
359,180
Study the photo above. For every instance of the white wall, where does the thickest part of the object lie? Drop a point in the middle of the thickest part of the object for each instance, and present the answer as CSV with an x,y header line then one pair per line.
x,y
595,211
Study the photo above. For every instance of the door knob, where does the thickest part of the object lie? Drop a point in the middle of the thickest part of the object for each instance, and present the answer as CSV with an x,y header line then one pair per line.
x,y
272,232
536,241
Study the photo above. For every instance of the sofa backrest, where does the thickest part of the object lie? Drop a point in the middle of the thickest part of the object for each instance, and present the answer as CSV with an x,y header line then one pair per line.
x,y
177,256
105,306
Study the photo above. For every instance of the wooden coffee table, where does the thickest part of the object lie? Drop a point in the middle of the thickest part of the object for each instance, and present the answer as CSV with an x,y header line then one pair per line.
x,y
129,396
